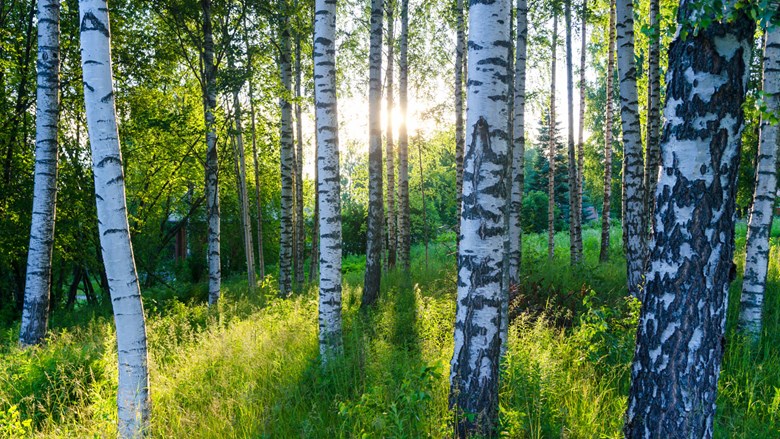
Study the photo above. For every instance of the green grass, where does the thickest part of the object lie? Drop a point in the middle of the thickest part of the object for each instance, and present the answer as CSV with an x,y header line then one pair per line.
x,y
249,367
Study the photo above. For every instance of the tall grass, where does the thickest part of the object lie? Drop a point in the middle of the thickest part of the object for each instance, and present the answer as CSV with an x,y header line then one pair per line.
x,y
249,367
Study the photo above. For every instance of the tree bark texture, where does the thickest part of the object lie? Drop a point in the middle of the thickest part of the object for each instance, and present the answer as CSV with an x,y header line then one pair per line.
x,y
760,225
474,366
580,137
390,147
404,225
328,183
605,210
133,399
681,326
460,139
299,222
287,164
633,162
574,231
375,203
551,147
37,290
652,148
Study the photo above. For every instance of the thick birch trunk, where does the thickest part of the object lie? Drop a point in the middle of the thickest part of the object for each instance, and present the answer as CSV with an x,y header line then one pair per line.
x,y
652,148
35,314
328,183
757,249
506,285
605,221
390,147
286,164
460,140
551,147
574,230
681,327
580,137
404,241
133,400
212,165
300,237
474,366
375,205
633,162
246,223
518,149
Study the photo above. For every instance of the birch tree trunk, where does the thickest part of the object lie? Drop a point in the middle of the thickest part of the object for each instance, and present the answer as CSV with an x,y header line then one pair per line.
x,y
460,140
246,223
260,258
314,259
652,148
760,226
35,314
605,210
133,400
506,285
328,183
404,226
390,147
580,138
474,366
681,326
375,203
633,162
300,237
518,150
287,163
212,165
551,147
574,229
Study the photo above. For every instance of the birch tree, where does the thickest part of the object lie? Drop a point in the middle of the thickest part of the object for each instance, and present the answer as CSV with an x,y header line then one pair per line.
x,y
518,150
633,162
133,399
286,161
474,366
652,149
574,230
760,225
680,344
212,164
460,140
551,144
605,221
580,137
35,314
404,226
328,179
256,159
375,203
299,237
246,224
390,147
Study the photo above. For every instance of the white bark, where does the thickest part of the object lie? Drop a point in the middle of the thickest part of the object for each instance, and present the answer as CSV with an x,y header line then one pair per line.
x,y
35,314
574,230
474,366
328,183
404,227
212,164
286,167
133,391
460,139
633,163
551,146
518,151
375,205
757,248
390,147
605,210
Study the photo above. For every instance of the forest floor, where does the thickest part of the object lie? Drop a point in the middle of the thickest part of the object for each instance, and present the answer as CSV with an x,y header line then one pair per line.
x,y
249,368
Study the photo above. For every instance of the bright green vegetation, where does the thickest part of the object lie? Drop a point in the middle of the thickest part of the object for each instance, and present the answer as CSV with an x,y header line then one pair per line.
x,y
249,368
